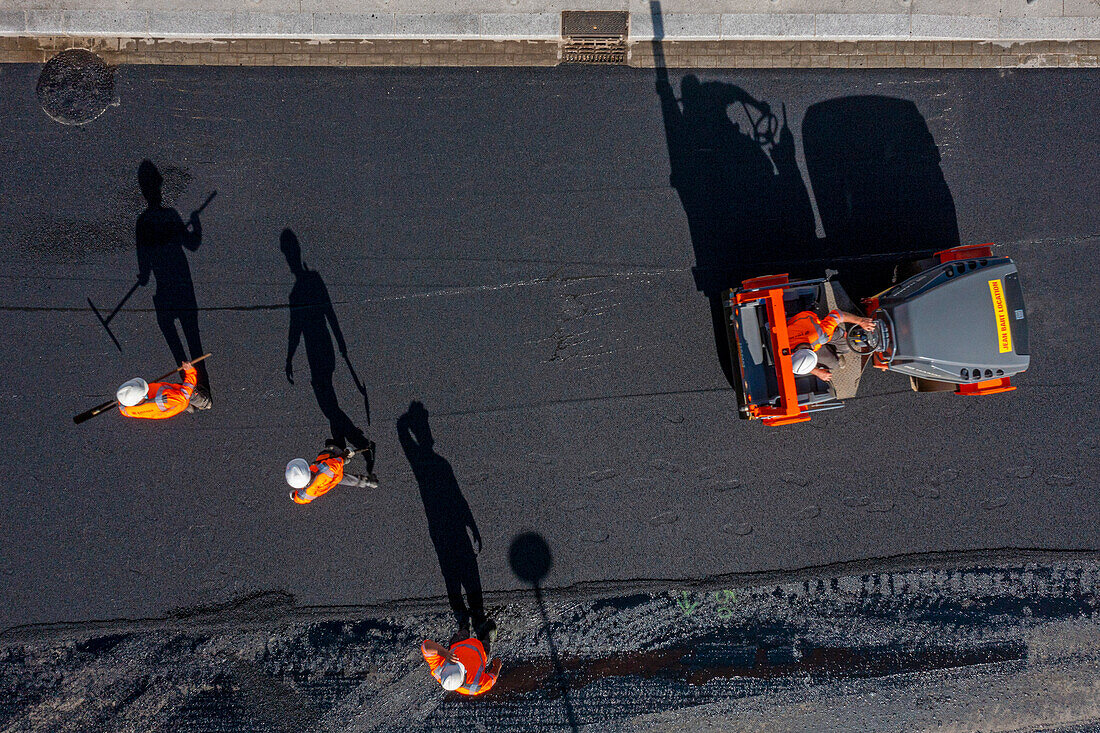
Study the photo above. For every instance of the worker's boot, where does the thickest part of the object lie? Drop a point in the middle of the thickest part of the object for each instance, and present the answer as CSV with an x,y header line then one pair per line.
x,y
364,482
200,399
487,633
462,633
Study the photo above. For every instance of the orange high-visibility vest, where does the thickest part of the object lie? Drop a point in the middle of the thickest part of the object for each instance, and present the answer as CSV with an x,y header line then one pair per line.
x,y
165,399
807,328
473,657
327,471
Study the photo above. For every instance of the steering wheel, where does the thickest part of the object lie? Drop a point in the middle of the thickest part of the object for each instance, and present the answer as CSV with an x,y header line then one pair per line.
x,y
862,341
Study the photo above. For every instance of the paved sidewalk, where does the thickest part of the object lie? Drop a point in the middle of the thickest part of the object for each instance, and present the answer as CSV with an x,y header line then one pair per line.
x,y
1068,20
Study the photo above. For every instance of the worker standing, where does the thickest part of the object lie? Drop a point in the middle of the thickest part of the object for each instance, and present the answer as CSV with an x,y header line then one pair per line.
x,y
815,342
159,400
311,480
464,667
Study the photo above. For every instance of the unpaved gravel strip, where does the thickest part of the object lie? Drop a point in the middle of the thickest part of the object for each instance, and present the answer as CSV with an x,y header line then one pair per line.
x,y
1011,646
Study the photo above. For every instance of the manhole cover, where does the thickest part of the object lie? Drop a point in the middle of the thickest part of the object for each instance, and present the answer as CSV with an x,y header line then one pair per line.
x,y
75,87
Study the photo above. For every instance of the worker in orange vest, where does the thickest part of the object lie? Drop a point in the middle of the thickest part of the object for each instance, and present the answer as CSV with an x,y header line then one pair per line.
x,y
464,667
815,342
156,401
311,480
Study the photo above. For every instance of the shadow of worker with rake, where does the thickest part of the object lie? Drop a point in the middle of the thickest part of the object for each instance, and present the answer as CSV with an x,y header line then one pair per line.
x,y
313,320
451,525
161,240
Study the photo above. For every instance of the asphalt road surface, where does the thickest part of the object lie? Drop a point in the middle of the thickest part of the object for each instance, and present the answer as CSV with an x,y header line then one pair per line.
x,y
505,247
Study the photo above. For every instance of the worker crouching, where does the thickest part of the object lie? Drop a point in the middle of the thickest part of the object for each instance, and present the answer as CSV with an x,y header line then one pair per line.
x,y
311,480
464,668
159,400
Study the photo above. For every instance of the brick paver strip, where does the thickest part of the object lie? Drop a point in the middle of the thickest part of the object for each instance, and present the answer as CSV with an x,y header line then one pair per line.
x,y
678,54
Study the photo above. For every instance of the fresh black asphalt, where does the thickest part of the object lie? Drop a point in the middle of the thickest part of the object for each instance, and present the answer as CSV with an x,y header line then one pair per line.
x,y
505,247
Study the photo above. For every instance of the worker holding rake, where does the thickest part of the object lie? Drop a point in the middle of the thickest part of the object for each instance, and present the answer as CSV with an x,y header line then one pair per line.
x,y
312,480
158,400
155,400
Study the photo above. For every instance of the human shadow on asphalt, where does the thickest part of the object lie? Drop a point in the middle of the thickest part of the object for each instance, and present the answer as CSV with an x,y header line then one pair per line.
x,y
162,238
313,321
451,524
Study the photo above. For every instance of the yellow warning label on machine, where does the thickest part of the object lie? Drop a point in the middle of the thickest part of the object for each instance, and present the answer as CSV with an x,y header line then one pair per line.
x,y
1000,311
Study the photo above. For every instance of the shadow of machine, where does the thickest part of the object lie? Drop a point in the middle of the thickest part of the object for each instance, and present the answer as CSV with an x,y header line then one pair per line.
x,y
874,169
746,204
875,173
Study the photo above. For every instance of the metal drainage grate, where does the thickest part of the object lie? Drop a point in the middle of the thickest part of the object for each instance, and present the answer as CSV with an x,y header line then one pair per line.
x,y
594,37
594,24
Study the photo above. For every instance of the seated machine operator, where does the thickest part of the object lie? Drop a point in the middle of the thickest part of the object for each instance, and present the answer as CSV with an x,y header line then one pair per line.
x,y
815,342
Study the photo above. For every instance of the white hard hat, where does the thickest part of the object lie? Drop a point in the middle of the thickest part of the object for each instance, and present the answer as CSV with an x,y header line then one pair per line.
x,y
804,361
133,392
297,473
452,675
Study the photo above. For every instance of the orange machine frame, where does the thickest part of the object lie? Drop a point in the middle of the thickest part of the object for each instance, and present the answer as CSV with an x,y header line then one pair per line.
x,y
788,411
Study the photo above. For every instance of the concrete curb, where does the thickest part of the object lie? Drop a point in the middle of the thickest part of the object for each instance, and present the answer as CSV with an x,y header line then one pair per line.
x,y
678,54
